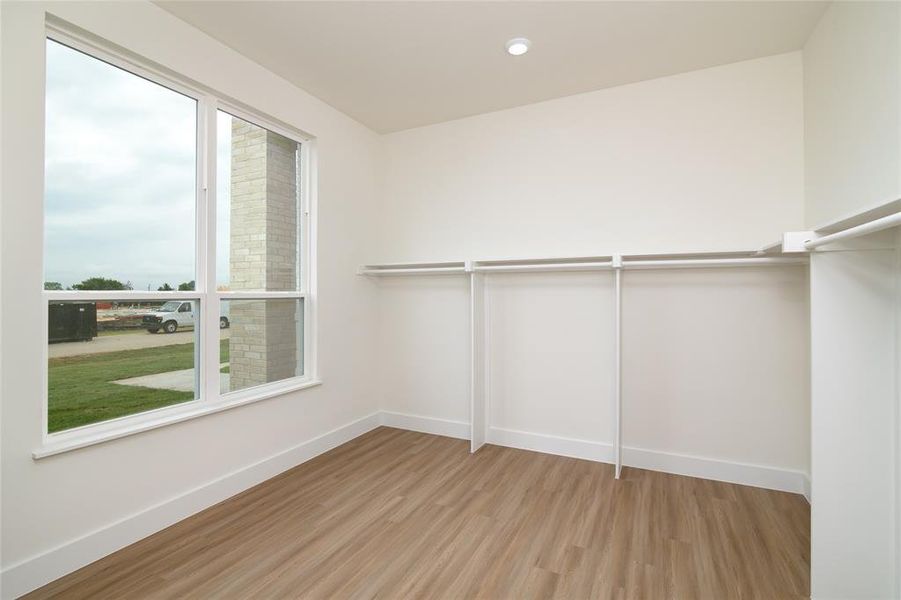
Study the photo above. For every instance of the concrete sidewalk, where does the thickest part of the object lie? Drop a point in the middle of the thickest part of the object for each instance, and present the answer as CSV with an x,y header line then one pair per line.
x,y
180,381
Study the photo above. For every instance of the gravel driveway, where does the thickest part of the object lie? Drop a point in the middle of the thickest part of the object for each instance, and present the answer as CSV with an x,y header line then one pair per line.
x,y
126,341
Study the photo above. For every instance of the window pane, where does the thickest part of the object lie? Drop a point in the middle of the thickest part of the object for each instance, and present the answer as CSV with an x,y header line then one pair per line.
x,y
120,178
109,359
264,340
258,201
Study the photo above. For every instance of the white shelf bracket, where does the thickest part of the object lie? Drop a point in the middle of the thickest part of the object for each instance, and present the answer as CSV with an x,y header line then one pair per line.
x,y
794,241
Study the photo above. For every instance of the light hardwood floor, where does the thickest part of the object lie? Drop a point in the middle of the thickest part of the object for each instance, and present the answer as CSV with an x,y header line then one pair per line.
x,y
397,514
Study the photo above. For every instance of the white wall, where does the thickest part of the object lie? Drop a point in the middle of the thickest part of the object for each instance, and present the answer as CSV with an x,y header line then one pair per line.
x,y
852,110
711,159
424,338
51,502
716,362
551,354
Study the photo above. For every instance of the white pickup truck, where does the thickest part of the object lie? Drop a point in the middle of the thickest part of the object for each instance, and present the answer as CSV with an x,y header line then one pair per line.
x,y
173,315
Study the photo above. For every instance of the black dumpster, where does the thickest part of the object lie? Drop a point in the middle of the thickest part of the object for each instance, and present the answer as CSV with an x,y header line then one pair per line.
x,y
72,321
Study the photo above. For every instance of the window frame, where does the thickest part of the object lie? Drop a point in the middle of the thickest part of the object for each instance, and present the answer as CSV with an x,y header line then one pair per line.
x,y
209,399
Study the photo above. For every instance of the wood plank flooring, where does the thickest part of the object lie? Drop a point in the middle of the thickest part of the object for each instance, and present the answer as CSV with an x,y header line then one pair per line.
x,y
398,514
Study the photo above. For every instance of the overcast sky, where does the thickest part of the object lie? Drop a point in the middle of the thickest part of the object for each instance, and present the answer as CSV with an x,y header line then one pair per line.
x,y
120,176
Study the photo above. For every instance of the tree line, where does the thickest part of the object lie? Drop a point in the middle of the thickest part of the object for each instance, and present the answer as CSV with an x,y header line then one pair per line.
x,y
106,283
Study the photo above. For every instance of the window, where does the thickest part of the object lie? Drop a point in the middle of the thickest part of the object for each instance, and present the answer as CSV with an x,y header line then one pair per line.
x,y
150,309
120,177
101,369
265,342
258,207
259,250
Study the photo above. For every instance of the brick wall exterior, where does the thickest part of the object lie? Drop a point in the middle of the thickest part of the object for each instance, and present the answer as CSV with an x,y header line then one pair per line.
x,y
263,256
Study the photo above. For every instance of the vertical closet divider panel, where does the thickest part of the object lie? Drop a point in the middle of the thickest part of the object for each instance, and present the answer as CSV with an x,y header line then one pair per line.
x,y
855,457
618,366
478,336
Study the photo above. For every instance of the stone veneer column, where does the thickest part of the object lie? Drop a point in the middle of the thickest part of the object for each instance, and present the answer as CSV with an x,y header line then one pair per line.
x,y
263,256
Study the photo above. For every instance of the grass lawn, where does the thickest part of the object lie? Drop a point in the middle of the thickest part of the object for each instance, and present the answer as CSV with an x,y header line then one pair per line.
x,y
80,389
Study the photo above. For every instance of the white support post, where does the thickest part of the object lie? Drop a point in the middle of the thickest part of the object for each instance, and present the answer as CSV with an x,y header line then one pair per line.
x,y
478,319
617,373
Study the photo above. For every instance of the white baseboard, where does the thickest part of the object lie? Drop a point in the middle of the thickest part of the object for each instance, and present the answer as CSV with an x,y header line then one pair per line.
x,y
445,427
784,480
24,576
551,444
771,478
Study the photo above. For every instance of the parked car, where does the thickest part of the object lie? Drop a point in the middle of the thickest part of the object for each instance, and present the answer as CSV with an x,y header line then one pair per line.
x,y
174,314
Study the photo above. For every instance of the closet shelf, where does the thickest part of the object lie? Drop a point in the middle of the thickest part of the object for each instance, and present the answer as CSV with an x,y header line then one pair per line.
x,y
877,218
873,213
775,248
581,263
879,224
426,268
588,263
700,263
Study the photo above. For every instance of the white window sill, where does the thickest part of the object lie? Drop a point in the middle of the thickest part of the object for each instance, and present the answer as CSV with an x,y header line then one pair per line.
x,y
100,433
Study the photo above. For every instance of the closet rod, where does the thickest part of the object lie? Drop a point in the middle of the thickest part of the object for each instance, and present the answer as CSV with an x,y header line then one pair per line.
x,y
601,265
593,266
710,262
871,227
413,271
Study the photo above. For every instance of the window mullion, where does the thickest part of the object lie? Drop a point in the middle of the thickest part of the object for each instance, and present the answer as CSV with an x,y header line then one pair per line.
x,y
308,257
206,252
260,295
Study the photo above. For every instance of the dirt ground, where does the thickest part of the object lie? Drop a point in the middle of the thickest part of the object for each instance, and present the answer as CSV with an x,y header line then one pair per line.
x,y
128,341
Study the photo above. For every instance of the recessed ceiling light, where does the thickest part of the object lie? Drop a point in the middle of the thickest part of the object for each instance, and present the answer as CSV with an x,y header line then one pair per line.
x,y
518,46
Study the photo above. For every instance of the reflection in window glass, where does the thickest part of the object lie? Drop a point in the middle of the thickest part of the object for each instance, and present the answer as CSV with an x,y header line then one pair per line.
x,y
258,201
264,340
120,178
109,359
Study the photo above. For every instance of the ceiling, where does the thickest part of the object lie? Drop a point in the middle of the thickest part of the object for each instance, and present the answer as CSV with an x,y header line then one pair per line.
x,y
397,65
